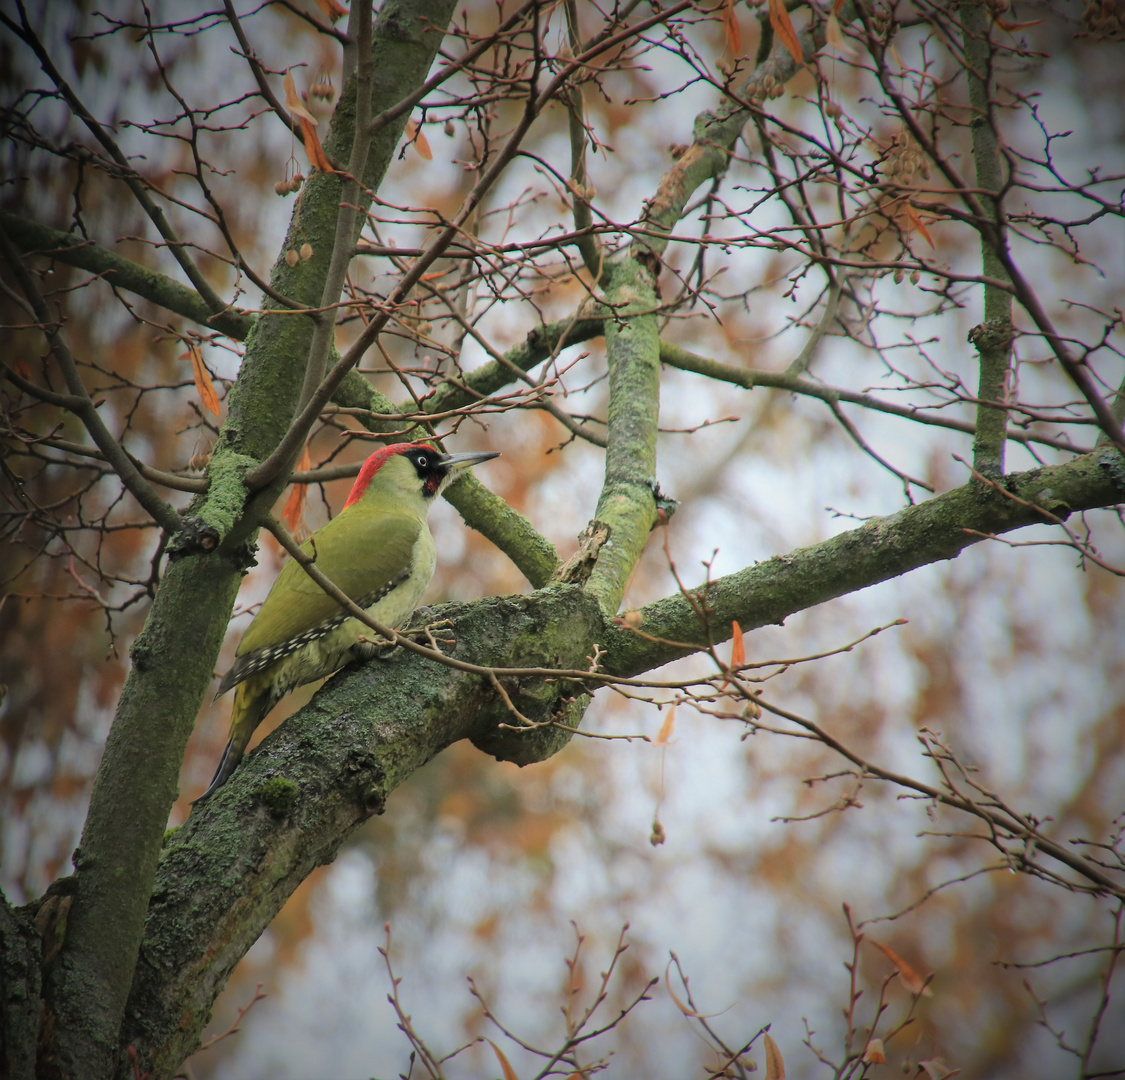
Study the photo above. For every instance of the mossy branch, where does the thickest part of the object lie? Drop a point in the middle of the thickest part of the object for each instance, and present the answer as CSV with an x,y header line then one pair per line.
x,y
993,339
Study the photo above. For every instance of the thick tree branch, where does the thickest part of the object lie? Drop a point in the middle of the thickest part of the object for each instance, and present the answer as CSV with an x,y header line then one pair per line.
x,y
174,655
349,221
993,340
881,549
627,503
229,869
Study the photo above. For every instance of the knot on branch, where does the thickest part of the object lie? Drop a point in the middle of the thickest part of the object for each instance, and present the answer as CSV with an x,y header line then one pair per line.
x,y
1112,462
665,504
195,536
577,569
540,739
990,335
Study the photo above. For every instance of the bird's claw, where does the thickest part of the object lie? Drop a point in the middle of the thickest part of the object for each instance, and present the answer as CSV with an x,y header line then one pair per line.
x,y
427,634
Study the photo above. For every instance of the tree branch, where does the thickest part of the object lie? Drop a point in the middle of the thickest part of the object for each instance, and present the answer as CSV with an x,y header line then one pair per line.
x,y
32,238
883,548
78,401
333,764
993,340
127,174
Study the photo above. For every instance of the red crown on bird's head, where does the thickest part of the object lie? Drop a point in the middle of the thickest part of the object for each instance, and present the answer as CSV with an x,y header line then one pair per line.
x,y
376,461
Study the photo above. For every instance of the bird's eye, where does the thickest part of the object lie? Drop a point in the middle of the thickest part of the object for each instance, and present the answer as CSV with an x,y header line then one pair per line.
x,y
423,461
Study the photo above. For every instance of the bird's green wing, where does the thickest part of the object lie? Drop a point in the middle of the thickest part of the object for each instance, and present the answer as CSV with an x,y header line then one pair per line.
x,y
360,554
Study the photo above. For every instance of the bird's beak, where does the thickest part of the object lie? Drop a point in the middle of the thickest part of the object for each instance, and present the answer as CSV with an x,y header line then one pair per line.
x,y
456,462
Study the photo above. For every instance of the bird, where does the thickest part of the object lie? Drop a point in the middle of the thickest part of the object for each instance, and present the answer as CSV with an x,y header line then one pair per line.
x,y
378,550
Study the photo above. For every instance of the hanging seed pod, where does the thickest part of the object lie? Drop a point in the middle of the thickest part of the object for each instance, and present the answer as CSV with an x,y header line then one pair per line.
x,y
281,188
915,277
306,252
292,258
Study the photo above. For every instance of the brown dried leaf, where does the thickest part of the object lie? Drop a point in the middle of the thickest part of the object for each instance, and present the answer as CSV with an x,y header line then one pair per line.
x,y
910,978
783,28
775,1065
836,7
874,1054
733,30
1012,27
916,222
202,378
833,35
415,135
509,1072
313,148
679,1004
665,733
293,100
332,9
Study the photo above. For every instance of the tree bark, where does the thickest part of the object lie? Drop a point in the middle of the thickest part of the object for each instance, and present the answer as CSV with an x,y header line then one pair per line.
x,y
224,874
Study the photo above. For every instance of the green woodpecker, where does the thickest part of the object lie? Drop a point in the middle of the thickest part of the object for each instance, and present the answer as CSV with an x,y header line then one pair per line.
x,y
378,550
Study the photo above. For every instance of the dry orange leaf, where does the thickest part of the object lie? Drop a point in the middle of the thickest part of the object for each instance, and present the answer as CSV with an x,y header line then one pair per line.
x,y
313,148
836,7
916,222
293,100
874,1054
737,652
1012,27
509,1072
783,28
737,649
910,978
775,1064
733,31
417,136
202,378
665,734
295,504
332,9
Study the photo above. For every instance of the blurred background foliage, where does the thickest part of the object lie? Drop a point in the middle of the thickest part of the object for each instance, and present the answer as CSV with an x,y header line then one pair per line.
x,y
1017,656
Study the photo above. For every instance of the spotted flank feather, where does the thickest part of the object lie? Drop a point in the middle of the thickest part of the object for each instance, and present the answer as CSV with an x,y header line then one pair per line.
x,y
260,659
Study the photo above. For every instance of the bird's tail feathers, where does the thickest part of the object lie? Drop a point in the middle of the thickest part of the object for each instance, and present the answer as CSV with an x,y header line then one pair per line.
x,y
249,708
